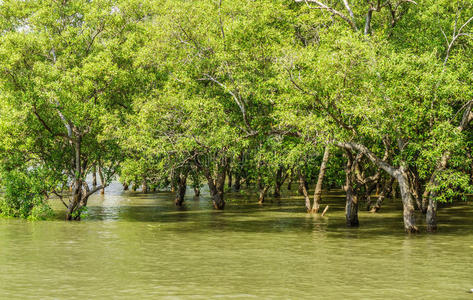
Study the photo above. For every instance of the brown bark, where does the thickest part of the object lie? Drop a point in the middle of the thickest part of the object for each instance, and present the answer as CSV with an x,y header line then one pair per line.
x,y
303,188
407,201
431,214
217,185
102,180
94,176
125,186
262,194
384,193
320,179
144,186
401,176
230,177
351,206
237,182
181,188
280,178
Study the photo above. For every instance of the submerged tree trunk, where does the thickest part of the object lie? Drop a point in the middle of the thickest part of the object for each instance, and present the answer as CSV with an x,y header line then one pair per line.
x,y
320,179
407,201
94,176
431,215
230,179
384,193
181,188
351,207
144,186
237,182
401,176
102,180
303,188
280,178
262,193
217,185
80,196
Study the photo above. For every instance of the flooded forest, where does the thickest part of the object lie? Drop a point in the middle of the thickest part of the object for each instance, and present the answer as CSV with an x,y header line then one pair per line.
x,y
283,149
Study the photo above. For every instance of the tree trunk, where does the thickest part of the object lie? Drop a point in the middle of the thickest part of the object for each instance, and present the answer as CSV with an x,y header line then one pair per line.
x,y
217,186
302,187
351,207
181,189
320,179
230,177
384,193
279,182
102,180
196,191
125,186
237,182
289,183
262,194
94,176
144,186
407,202
72,209
431,215
401,176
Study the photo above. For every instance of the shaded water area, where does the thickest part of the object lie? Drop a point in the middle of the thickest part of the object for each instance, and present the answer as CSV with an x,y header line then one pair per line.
x,y
139,246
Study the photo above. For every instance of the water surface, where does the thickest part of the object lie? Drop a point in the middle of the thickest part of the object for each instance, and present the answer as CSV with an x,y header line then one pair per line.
x,y
136,246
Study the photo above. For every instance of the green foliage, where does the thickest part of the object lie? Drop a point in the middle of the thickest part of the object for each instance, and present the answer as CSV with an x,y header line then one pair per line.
x,y
24,194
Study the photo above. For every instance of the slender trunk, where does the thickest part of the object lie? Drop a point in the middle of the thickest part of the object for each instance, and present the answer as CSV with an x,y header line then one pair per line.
x,y
125,186
173,180
181,189
102,180
135,186
302,186
401,176
94,176
237,182
289,183
196,191
144,186
217,186
369,189
262,194
407,201
279,182
384,193
72,213
431,215
351,207
230,177
416,190
320,179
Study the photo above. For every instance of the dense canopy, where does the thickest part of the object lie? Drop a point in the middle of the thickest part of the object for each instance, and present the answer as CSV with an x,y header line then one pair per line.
x,y
372,97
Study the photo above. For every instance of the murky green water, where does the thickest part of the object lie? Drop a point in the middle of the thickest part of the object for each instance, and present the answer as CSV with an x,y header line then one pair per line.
x,y
135,246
